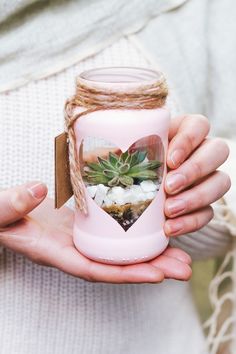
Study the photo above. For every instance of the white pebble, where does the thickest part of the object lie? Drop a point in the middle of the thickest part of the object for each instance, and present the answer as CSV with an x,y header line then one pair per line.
x,y
92,190
148,186
107,202
100,194
119,191
105,189
116,194
127,195
133,194
141,197
136,188
151,195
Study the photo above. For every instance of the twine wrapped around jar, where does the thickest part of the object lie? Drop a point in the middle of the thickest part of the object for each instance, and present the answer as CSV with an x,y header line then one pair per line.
x,y
90,99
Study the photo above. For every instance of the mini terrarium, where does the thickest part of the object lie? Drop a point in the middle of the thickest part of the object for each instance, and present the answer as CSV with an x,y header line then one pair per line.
x,y
123,184
118,125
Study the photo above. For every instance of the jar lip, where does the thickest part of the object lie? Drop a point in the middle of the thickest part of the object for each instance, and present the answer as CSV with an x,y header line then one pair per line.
x,y
120,75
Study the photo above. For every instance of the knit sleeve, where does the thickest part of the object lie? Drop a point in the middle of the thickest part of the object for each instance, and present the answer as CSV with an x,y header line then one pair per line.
x,y
217,237
213,240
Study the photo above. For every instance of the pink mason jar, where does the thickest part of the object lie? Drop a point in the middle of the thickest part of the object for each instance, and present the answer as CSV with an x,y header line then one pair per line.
x,y
121,145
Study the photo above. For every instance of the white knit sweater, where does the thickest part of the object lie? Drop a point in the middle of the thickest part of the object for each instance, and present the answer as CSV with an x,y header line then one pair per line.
x,y
45,311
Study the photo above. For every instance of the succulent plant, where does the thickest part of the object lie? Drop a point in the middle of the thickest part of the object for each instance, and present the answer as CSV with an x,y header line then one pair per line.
x,y
121,170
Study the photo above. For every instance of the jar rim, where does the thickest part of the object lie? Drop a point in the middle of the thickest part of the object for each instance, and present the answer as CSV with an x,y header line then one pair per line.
x,y
120,75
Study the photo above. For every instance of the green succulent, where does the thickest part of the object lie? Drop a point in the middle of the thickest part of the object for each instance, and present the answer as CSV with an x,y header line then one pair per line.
x,y
121,170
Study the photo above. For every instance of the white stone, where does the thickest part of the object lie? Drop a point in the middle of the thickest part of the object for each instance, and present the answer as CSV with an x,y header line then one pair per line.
x,y
111,196
119,191
128,195
100,194
133,194
135,188
141,197
148,186
116,195
120,201
107,201
151,195
92,190
103,188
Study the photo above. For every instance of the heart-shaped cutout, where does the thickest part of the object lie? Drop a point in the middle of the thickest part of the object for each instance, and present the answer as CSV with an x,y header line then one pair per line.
x,y
122,183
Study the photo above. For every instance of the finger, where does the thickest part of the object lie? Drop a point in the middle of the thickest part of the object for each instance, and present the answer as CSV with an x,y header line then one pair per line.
x,y
74,263
191,132
174,126
202,195
178,254
188,223
206,159
18,201
173,268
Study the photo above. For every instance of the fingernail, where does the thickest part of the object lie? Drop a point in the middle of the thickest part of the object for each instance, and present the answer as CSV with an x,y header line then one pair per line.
x,y
174,226
175,182
38,190
177,157
176,206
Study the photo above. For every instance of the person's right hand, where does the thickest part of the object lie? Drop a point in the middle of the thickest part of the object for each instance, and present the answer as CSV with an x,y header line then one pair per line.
x,y
44,235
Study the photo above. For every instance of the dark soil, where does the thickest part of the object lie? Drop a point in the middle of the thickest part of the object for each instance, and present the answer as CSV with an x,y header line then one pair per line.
x,y
127,214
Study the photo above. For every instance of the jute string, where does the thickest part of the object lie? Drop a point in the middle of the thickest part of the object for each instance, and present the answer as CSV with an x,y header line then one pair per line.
x,y
91,99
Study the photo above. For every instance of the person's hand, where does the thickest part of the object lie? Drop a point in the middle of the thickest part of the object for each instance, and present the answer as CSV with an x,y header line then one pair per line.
x,y
45,234
45,237
193,182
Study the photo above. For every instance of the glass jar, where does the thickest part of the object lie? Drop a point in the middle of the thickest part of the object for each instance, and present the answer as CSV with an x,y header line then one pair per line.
x,y
122,154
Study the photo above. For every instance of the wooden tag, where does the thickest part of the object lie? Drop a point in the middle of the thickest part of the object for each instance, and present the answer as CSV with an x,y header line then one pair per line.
x,y
63,188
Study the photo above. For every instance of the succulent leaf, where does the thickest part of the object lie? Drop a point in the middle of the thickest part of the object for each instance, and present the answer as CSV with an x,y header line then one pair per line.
x,y
134,158
113,159
121,170
152,164
141,156
114,182
99,179
124,156
143,175
124,168
110,173
94,166
126,180
128,159
105,163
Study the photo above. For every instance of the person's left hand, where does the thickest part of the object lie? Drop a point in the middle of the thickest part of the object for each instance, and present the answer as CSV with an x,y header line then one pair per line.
x,y
193,182
45,237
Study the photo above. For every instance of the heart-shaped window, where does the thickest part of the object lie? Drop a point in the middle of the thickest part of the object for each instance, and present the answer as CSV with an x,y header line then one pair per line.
x,y
122,183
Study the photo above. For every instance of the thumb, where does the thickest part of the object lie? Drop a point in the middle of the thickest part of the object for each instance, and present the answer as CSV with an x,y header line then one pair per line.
x,y
18,201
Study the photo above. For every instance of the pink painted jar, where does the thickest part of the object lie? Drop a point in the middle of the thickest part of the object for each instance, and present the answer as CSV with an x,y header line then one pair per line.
x,y
122,156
